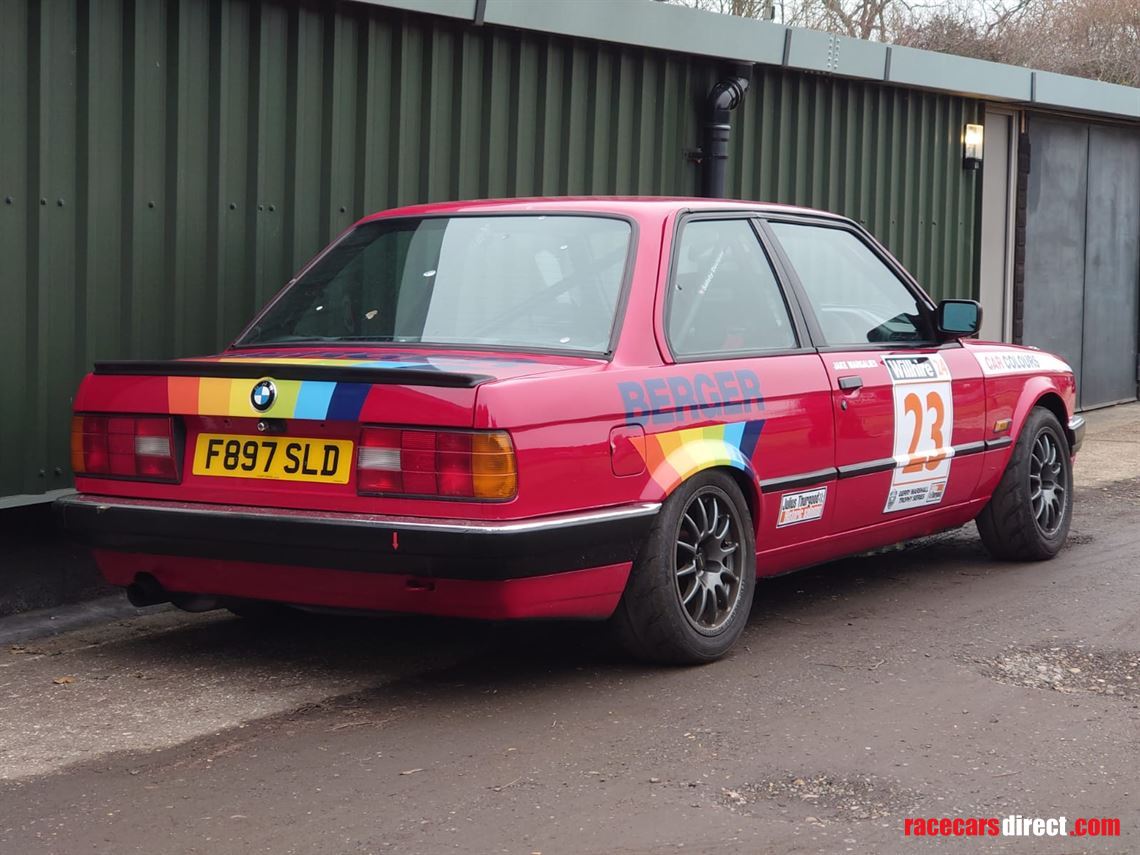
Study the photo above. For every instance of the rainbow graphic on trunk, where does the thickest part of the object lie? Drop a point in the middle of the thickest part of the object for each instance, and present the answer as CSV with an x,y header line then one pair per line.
x,y
296,399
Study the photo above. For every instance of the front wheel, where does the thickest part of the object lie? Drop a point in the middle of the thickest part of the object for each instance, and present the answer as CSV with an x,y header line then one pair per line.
x,y
1028,516
690,591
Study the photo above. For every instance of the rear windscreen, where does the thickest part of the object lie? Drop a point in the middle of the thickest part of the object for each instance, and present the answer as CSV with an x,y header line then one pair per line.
x,y
541,281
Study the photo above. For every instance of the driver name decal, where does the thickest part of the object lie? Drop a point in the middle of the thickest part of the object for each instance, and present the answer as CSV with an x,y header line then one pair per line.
x,y
924,423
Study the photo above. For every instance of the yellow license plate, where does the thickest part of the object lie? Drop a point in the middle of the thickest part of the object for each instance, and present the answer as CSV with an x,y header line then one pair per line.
x,y
279,458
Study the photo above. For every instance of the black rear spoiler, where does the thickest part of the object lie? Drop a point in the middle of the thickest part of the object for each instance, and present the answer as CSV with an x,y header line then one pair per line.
x,y
252,369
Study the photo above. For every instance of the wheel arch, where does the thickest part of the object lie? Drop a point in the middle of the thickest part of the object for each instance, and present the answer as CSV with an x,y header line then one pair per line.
x,y
740,470
1044,392
1052,402
750,488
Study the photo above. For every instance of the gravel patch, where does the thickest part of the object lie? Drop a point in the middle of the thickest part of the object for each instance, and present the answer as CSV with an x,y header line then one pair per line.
x,y
1069,669
850,798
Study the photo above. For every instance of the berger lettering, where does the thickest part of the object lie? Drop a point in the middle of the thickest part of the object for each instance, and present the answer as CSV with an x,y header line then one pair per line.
x,y
680,399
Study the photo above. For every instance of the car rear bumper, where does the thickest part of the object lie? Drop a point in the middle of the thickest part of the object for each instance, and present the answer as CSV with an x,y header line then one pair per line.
x,y
361,543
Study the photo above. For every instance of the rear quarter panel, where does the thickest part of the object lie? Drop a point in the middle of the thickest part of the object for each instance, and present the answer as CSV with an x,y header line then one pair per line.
x,y
757,422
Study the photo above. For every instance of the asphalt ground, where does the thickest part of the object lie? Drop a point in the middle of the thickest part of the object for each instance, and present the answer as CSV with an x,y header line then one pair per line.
x,y
929,681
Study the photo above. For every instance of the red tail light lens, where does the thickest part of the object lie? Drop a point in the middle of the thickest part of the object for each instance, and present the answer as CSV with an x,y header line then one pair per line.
x,y
452,464
140,447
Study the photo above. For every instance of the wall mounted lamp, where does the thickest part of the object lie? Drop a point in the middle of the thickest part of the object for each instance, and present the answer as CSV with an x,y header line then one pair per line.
x,y
973,137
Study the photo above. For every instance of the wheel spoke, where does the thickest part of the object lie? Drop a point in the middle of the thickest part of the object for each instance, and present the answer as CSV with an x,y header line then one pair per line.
x,y
700,613
707,576
704,517
687,598
723,533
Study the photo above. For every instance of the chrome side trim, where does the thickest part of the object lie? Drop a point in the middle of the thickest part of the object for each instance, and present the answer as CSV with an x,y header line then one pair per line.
x,y
550,523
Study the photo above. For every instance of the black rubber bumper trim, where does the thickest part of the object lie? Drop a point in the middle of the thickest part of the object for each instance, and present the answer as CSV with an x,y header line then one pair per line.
x,y
1000,442
888,463
968,448
370,544
868,468
1076,433
252,370
791,482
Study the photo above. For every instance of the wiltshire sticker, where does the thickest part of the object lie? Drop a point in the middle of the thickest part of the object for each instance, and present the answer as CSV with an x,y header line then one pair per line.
x,y
924,424
801,507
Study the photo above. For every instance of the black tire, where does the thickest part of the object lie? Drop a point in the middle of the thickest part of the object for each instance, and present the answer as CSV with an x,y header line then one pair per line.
x,y
651,621
1025,520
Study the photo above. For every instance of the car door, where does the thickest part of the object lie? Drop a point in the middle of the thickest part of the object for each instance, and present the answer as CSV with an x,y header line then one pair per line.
x,y
741,356
909,408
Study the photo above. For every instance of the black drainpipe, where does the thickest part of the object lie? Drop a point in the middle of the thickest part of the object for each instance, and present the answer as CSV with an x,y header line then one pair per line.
x,y
726,95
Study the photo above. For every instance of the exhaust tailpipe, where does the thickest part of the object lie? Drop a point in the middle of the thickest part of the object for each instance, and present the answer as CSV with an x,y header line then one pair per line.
x,y
146,591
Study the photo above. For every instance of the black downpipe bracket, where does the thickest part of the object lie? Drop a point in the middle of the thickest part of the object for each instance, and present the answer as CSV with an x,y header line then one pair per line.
x,y
725,96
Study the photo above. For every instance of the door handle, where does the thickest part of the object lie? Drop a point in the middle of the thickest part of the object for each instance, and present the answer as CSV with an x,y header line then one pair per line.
x,y
851,382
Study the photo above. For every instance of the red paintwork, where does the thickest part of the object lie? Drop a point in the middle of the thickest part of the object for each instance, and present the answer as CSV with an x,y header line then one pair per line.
x,y
560,411
588,594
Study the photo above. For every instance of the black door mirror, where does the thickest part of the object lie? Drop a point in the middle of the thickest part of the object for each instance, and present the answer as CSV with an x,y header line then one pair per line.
x,y
959,318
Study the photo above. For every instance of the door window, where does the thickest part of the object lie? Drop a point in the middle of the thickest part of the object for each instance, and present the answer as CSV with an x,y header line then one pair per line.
x,y
857,298
723,296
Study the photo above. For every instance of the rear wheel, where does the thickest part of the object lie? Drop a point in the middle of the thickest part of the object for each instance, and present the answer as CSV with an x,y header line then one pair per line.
x,y
690,591
1028,516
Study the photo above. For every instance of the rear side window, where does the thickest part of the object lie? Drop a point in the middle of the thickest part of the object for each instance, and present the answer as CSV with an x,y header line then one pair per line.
x,y
723,296
856,297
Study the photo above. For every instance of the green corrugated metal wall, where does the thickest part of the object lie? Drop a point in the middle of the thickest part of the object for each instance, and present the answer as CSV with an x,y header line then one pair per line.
x,y
166,164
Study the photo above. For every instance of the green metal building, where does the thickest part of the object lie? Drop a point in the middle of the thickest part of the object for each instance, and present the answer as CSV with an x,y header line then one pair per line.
x,y
165,165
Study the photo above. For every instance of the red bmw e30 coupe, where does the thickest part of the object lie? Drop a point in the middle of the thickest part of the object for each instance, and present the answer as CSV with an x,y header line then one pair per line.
x,y
621,409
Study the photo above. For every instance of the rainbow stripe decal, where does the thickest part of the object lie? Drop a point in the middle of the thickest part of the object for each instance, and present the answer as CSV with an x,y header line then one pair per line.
x,y
296,399
675,455
321,400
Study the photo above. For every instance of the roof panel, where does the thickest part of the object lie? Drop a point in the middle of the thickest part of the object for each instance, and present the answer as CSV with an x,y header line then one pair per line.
x,y
932,70
449,8
816,50
1075,93
654,25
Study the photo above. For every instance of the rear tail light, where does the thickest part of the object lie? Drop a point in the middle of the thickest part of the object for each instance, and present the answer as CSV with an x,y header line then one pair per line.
x,y
450,464
140,447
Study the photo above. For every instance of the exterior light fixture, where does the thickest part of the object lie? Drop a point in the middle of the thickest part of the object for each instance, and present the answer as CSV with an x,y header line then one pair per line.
x,y
972,139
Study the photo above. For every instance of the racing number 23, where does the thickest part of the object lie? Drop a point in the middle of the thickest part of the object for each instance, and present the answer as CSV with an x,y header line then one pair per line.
x,y
913,405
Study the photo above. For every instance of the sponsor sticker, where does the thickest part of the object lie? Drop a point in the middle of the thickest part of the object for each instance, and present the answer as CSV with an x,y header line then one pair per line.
x,y
803,507
924,424
995,363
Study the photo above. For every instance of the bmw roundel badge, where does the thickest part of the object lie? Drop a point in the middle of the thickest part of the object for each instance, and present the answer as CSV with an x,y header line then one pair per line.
x,y
263,395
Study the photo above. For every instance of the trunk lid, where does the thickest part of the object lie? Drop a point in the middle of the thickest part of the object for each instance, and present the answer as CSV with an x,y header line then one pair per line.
x,y
280,427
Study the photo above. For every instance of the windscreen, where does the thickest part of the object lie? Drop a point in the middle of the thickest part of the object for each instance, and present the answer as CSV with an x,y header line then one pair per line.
x,y
534,281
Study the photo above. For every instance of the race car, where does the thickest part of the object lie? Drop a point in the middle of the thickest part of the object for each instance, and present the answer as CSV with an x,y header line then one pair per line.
x,y
621,409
